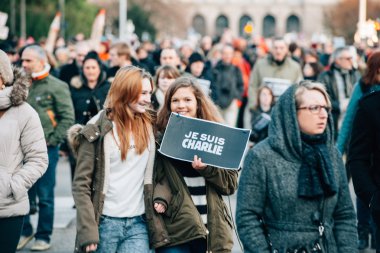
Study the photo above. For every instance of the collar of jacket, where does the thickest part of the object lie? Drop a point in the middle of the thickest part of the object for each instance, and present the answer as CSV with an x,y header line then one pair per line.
x,y
100,128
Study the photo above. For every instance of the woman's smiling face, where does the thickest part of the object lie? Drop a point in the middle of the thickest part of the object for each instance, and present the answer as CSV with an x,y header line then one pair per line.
x,y
184,102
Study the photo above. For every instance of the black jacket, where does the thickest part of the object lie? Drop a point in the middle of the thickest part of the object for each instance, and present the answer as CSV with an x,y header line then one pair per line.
x,y
227,84
364,151
259,124
88,102
364,155
68,71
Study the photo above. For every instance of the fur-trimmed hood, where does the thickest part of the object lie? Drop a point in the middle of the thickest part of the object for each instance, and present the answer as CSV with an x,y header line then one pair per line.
x,y
80,80
21,84
73,137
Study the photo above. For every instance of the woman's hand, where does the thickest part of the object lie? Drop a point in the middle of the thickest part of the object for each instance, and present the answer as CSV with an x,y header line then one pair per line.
x,y
160,208
92,247
197,163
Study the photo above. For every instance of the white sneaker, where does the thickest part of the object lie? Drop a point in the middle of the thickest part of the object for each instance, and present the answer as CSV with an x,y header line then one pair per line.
x,y
24,241
40,245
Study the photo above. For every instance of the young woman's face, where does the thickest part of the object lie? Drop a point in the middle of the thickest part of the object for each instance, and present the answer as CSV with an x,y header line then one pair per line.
x,y
164,82
265,98
308,70
184,102
91,70
144,100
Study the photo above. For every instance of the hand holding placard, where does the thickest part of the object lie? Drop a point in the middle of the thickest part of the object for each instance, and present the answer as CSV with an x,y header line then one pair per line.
x,y
218,145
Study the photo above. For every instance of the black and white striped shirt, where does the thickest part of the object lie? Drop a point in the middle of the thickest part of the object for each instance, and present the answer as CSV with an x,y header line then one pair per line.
x,y
196,185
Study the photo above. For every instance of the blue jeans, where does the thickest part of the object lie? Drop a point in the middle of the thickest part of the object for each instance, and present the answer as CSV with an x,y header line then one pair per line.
x,y
194,246
44,188
123,235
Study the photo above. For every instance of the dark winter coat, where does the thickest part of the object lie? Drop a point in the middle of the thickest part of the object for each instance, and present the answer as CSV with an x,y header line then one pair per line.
x,y
88,102
182,222
268,189
259,124
364,152
227,84
68,71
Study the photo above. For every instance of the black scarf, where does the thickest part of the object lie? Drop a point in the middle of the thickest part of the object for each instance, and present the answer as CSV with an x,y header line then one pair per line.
x,y
316,177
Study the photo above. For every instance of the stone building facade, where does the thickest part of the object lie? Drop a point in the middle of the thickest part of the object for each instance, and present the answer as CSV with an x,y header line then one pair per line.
x,y
269,17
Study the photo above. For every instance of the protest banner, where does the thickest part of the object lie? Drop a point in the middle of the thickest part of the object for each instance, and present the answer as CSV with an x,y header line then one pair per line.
x,y
53,33
216,144
98,29
277,85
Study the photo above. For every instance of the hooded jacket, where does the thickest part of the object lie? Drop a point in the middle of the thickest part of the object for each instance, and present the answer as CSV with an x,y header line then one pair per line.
x,y
181,221
268,190
88,102
23,152
91,144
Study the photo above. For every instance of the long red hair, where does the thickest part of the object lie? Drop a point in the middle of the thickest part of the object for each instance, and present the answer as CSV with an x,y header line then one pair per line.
x,y
126,88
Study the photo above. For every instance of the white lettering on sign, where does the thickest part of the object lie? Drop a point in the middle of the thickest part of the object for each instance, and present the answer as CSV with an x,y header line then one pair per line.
x,y
204,142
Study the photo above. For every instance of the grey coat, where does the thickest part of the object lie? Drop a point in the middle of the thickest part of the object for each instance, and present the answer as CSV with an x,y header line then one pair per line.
x,y
23,153
268,189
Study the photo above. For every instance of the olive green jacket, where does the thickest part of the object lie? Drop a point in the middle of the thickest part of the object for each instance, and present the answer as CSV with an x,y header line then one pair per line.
x,y
51,98
182,222
91,144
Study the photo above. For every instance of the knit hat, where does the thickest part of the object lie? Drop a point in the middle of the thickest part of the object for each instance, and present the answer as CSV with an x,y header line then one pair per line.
x,y
93,55
194,57
6,71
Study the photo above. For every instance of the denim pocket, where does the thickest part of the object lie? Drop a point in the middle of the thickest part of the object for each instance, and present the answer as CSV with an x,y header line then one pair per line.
x,y
143,218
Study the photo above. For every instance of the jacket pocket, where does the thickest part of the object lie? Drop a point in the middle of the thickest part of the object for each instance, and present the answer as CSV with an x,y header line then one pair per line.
x,y
45,101
174,206
227,215
5,186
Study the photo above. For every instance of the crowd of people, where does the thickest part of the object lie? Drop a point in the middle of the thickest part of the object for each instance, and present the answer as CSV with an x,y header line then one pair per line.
x,y
108,110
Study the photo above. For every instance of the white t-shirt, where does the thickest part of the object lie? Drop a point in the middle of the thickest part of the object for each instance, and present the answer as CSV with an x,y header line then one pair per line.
x,y
124,197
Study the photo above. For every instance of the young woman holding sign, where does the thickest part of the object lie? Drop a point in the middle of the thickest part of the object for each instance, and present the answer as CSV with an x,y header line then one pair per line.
x,y
189,213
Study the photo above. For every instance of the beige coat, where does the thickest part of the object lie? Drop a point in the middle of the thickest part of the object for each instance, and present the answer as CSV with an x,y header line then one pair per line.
x,y
23,152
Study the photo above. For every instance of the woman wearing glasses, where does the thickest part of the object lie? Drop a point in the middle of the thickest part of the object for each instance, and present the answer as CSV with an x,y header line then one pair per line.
x,y
293,193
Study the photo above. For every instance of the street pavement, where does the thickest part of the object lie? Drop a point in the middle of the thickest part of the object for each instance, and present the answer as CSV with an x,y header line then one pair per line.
x,y
64,215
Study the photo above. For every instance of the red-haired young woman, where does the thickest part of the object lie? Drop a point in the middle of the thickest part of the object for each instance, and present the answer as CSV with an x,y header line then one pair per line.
x,y
115,153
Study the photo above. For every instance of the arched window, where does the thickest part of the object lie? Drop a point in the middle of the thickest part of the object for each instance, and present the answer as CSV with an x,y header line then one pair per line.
x,y
269,26
199,24
242,22
221,24
293,24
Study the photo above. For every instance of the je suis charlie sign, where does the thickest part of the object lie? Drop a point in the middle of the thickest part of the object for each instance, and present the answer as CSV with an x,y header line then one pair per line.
x,y
218,145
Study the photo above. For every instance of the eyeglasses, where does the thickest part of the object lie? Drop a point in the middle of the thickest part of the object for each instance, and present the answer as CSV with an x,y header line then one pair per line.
x,y
346,58
315,109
